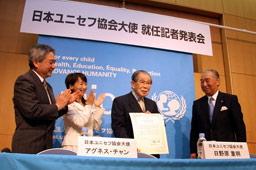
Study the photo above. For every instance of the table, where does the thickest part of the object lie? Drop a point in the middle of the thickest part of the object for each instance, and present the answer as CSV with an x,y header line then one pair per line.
x,y
62,162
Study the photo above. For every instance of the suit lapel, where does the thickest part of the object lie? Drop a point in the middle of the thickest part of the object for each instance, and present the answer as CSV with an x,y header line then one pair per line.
x,y
217,106
205,108
134,103
40,87
148,106
50,91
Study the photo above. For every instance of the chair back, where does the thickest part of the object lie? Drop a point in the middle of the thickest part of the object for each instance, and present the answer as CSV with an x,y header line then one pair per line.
x,y
144,155
57,151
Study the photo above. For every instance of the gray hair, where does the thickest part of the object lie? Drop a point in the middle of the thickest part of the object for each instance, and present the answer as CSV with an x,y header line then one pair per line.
x,y
215,73
135,75
38,53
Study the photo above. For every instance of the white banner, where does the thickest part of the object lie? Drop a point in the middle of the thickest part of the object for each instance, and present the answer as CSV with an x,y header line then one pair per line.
x,y
118,25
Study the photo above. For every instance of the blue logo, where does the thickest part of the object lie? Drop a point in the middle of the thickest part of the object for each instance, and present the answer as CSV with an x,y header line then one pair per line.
x,y
170,105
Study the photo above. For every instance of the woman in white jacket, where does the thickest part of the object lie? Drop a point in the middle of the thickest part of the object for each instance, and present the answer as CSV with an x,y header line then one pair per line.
x,y
84,112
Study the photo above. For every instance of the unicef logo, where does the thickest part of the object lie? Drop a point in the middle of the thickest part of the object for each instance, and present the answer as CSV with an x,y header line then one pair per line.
x,y
170,105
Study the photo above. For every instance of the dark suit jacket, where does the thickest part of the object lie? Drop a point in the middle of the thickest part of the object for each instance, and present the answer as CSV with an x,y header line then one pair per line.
x,y
34,115
227,123
121,121
122,106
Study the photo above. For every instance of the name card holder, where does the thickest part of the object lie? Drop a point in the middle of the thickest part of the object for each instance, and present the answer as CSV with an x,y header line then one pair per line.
x,y
106,147
225,150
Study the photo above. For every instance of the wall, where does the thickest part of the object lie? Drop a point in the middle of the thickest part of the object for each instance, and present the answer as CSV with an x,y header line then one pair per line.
x,y
233,52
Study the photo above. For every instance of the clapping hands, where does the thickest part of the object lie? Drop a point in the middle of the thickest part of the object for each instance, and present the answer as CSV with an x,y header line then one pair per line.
x,y
100,100
91,99
66,98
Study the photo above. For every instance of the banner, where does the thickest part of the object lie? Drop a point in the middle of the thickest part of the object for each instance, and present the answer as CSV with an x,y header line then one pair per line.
x,y
109,67
118,25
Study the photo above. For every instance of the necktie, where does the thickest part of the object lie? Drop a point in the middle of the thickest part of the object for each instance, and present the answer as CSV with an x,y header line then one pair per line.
x,y
45,87
142,106
211,108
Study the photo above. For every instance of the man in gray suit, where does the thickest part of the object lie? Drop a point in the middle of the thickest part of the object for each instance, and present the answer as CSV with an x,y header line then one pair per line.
x,y
35,107
224,122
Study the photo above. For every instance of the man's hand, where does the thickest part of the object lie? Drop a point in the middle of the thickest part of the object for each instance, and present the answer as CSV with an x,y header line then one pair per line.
x,y
147,112
74,96
63,98
193,156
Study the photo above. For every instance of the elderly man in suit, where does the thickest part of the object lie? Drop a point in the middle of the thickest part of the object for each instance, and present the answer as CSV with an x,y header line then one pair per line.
x,y
35,107
216,114
135,101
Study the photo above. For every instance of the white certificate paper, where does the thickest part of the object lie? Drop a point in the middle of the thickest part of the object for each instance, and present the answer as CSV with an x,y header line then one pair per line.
x,y
149,133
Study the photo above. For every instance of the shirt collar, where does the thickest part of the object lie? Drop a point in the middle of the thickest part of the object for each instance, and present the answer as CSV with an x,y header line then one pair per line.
x,y
136,96
214,96
40,77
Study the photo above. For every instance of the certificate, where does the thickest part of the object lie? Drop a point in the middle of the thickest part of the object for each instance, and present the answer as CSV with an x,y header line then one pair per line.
x,y
149,133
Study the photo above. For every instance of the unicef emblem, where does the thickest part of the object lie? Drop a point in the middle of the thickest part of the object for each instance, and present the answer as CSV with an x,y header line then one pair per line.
x,y
170,105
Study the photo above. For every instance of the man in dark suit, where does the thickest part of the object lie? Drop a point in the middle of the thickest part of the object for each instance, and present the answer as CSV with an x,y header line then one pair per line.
x,y
129,103
35,107
224,123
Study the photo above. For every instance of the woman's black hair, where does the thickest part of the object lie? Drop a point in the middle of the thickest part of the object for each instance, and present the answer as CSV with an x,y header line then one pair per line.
x,y
72,78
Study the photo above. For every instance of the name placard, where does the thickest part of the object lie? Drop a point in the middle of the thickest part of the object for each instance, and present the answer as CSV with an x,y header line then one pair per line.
x,y
225,150
106,147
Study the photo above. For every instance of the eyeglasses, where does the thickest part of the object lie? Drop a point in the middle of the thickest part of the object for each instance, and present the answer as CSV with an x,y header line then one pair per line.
x,y
147,83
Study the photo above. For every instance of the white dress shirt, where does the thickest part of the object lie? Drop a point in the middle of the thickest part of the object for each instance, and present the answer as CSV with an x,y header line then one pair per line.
x,y
214,98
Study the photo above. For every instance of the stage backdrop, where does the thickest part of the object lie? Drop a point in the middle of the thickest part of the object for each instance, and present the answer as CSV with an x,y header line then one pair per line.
x,y
109,68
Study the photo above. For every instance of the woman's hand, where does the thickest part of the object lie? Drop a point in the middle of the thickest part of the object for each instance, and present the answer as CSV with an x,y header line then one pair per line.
x,y
90,98
100,100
